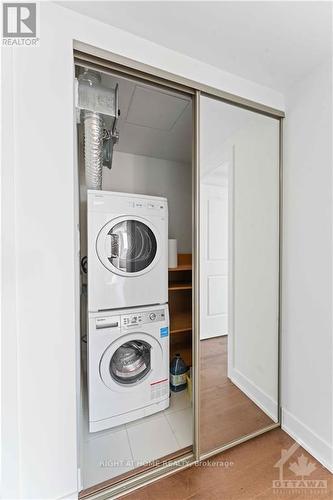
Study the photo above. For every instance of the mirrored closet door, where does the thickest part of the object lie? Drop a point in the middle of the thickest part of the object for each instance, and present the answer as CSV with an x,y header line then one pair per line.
x,y
239,273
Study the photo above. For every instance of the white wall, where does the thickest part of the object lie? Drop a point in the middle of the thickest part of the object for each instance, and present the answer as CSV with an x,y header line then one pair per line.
x,y
153,176
41,313
307,383
9,399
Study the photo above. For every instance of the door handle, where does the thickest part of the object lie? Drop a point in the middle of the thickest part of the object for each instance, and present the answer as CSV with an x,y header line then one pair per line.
x,y
100,326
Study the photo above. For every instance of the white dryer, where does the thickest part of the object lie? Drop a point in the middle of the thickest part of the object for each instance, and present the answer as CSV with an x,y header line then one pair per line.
x,y
127,250
128,365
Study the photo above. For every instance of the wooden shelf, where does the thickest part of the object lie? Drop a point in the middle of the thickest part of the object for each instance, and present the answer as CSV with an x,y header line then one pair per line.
x,y
184,263
180,321
179,285
180,308
181,267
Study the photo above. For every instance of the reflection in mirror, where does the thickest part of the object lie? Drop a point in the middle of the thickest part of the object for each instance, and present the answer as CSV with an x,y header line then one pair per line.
x,y
239,267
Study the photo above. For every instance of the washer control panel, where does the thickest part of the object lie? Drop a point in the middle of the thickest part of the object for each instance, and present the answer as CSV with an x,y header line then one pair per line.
x,y
142,318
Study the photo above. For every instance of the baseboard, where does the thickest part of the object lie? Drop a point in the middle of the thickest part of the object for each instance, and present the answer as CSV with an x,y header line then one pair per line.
x,y
70,496
207,337
257,395
308,439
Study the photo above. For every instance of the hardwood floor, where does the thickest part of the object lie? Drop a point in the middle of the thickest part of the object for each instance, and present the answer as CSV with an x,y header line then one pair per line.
x,y
248,470
250,475
226,413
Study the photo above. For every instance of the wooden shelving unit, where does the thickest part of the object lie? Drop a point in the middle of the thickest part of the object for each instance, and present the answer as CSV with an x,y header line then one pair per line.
x,y
180,308
180,321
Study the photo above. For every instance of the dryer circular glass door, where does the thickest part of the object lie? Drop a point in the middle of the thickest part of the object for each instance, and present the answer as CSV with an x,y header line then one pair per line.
x,y
130,360
128,246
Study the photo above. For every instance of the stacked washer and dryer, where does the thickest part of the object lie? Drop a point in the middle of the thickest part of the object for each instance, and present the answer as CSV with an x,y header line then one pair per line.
x,y
128,332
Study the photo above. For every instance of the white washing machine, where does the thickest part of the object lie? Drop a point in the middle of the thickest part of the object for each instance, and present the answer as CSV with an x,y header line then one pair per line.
x,y
127,250
128,365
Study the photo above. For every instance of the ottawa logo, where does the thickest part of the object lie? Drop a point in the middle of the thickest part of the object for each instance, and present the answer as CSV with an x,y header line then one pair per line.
x,y
302,468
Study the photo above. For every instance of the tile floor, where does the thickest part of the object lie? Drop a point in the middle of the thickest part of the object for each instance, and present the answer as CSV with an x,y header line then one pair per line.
x,y
108,453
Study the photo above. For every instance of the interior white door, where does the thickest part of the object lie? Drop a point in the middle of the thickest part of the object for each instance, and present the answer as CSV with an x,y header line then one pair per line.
x,y
214,251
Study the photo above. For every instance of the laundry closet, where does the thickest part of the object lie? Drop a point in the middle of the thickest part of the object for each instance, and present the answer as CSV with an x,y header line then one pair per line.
x,y
135,147
179,218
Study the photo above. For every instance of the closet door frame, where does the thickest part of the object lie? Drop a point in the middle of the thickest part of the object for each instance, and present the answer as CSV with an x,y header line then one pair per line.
x,y
105,61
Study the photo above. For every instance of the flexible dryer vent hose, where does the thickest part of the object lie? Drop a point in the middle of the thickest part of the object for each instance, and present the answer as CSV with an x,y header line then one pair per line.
x,y
93,149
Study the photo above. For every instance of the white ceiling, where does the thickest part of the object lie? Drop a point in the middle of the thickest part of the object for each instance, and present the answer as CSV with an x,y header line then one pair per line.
x,y
153,122
271,43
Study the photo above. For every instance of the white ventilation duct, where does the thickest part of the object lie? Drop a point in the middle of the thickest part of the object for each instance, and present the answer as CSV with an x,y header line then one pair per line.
x,y
96,103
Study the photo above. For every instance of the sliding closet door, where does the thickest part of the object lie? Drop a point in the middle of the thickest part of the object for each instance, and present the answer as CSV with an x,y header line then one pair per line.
x,y
239,273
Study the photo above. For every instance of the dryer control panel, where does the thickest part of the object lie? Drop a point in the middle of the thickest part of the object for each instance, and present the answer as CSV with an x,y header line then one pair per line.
x,y
142,318
126,204
150,205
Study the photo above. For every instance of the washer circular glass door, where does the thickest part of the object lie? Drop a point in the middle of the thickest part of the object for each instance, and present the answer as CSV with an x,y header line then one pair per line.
x,y
128,246
131,362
